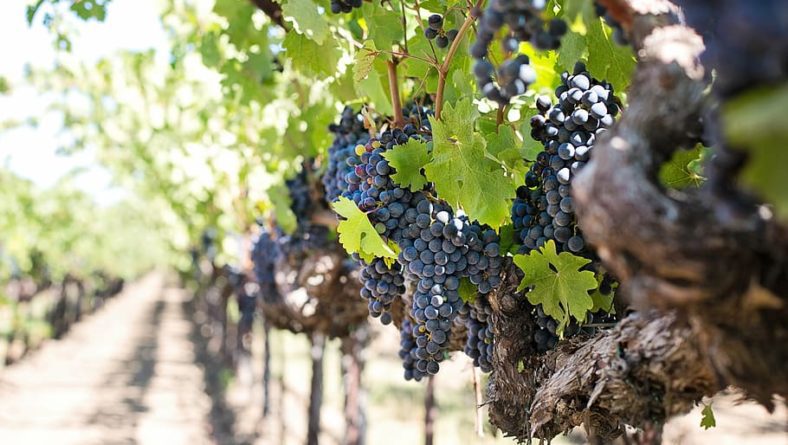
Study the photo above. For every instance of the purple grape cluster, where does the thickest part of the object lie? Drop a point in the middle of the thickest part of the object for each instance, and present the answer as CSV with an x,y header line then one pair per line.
x,y
382,285
479,345
345,6
438,248
435,31
544,209
348,133
265,254
524,22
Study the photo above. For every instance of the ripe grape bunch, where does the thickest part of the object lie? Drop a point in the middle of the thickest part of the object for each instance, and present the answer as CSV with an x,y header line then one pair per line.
x,y
437,248
525,24
360,173
347,134
345,6
434,31
382,285
544,209
479,345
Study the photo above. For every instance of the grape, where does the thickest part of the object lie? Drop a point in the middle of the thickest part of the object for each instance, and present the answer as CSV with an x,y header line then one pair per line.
x,y
381,286
265,254
437,247
344,6
435,21
342,156
442,41
480,336
524,23
545,200
430,33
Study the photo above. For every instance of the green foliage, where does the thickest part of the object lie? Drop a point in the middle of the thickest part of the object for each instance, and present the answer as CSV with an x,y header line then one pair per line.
x,y
467,290
707,419
307,20
357,235
310,57
462,171
756,122
409,159
684,169
557,283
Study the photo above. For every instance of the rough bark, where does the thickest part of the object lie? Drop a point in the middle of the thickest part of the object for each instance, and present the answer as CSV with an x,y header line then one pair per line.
x,y
707,277
317,293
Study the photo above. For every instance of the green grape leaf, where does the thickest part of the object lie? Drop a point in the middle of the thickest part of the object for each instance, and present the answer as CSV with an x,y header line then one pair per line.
x,y
602,302
680,171
543,63
420,66
357,235
573,48
461,170
557,283
505,148
408,159
306,19
310,58
383,25
364,60
375,87
507,236
531,147
606,59
467,290
756,122
707,419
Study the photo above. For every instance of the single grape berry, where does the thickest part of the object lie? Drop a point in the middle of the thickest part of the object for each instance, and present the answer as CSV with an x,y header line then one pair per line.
x,y
435,21
442,41
430,33
452,34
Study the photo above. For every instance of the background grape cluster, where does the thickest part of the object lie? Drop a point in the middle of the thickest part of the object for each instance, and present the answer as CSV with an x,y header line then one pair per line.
x,y
524,23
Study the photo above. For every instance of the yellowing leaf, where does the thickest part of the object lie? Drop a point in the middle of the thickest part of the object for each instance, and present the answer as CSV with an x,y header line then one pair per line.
x,y
557,283
462,170
357,235
364,59
408,159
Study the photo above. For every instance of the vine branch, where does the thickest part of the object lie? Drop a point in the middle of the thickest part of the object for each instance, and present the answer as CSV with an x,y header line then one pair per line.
x,y
443,70
272,10
396,103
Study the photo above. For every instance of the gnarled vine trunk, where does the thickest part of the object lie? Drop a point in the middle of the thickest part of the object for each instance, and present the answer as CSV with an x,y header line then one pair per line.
x,y
706,273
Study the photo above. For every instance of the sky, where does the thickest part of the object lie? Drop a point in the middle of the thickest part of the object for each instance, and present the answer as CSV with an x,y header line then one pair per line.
x,y
31,152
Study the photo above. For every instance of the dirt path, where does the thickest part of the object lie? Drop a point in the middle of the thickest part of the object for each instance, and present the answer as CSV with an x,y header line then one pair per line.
x,y
126,375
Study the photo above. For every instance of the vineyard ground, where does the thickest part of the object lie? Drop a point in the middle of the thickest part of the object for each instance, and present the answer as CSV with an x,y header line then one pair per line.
x,y
132,373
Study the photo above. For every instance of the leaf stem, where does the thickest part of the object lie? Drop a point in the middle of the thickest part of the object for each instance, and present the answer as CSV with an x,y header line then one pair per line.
x,y
500,115
396,104
443,71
